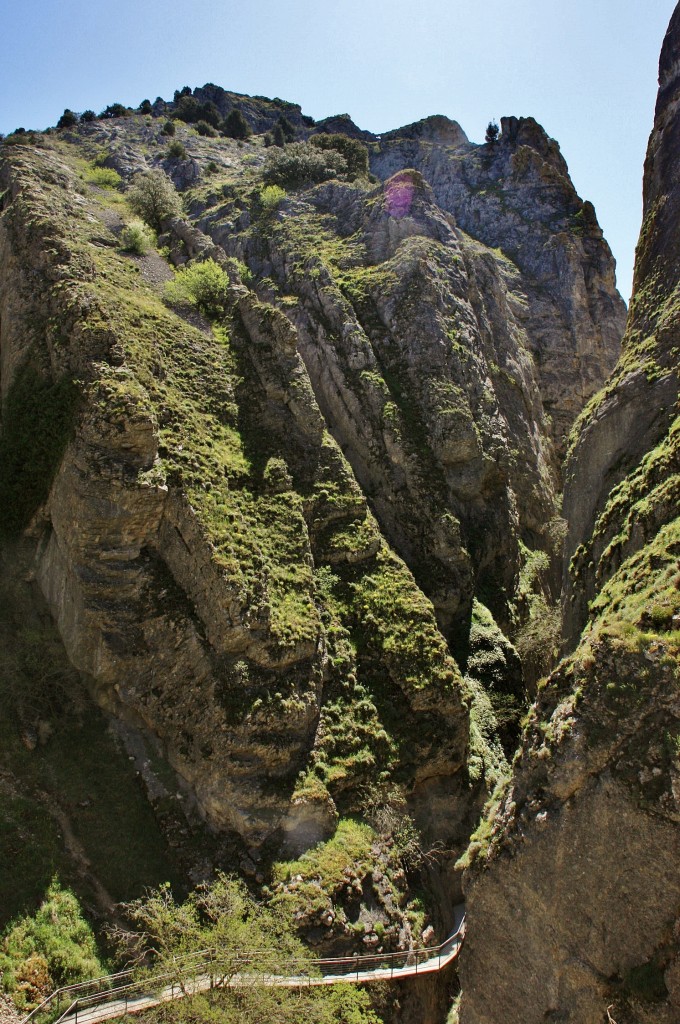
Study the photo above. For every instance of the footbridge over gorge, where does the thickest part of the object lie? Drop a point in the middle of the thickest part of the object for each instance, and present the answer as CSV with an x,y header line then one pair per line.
x,y
117,995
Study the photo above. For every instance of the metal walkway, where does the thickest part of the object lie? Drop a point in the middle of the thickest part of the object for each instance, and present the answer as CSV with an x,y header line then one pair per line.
x,y
120,994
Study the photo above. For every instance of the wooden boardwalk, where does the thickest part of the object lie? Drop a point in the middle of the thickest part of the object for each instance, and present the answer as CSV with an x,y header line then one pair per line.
x,y
120,994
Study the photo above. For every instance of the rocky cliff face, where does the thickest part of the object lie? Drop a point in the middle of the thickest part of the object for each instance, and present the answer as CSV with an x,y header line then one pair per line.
x,y
515,194
433,313
178,563
573,902
264,542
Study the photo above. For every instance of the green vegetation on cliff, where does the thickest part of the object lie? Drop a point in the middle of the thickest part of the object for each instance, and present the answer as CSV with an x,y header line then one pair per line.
x,y
54,947
335,376
222,916
225,419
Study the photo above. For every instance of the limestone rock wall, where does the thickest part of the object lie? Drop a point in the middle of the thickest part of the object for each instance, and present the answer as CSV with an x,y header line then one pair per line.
x,y
179,559
262,540
516,195
415,339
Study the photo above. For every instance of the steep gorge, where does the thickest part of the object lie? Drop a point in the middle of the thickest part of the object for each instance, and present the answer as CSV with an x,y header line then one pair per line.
x,y
288,552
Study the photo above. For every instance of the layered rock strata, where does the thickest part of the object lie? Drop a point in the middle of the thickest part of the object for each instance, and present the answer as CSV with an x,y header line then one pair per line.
x,y
181,538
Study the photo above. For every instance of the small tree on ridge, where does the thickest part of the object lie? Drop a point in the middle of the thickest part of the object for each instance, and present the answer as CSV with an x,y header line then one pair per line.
x,y
235,125
154,198
492,133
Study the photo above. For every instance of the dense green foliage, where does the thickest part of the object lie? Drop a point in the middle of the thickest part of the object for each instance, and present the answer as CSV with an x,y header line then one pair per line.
x,y
190,110
486,763
339,1004
271,196
136,237
67,119
355,881
204,285
235,125
302,164
492,133
154,198
104,177
177,150
205,129
323,868
537,639
247,938
354,152
275,137
115,110
54,947
286,128
221,915
397,626
187,109
641,601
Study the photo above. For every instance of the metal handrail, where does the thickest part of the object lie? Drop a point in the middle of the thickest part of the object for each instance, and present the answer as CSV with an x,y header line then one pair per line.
x,y
359,967
104,979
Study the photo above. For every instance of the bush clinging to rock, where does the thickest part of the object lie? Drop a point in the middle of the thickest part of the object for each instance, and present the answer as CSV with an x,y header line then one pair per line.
x,y
354,152
203,285
54,947
137,238
301,164
154,198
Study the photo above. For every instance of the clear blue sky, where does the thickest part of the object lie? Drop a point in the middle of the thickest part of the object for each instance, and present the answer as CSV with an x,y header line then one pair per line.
x,y
586,69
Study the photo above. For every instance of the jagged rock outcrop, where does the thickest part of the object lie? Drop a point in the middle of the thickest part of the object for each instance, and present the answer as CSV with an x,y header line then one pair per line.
x,y
515,194
437,412
622,482
260,112
574,894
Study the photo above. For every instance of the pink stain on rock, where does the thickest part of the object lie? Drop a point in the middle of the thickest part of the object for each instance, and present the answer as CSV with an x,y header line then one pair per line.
x,y
399,196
